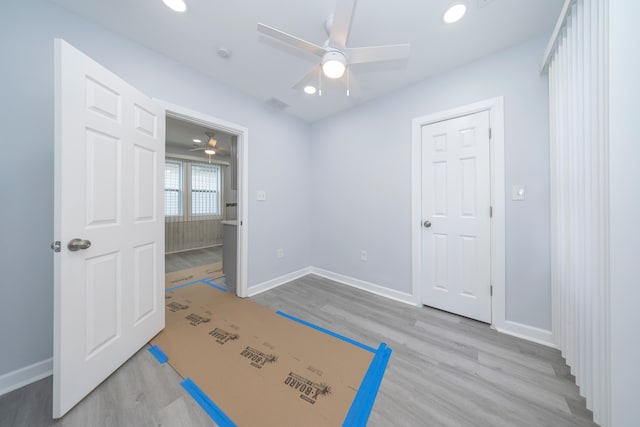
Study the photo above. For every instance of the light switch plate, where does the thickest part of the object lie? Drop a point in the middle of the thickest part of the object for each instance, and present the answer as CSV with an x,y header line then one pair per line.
x,y
517,192
261,195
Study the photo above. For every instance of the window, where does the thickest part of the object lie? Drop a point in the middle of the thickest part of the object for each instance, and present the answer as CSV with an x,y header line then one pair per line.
x,y
204,187
172,188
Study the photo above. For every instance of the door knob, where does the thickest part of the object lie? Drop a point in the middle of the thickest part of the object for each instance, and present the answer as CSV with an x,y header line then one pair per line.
x,y
77,244
427,224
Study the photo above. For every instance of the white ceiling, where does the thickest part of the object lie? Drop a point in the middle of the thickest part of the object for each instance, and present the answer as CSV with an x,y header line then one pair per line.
x,y
181,134
267,69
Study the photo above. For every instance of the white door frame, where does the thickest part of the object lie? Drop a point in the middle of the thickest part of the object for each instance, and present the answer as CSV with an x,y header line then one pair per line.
x,y
495,106
187,115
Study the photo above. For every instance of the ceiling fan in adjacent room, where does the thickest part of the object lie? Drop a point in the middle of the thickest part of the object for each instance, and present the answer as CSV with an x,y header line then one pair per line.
x,y
335,56
209,147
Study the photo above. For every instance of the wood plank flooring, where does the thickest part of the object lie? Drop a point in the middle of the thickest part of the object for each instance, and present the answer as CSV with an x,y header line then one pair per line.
x,y
141,393
195,258
444,371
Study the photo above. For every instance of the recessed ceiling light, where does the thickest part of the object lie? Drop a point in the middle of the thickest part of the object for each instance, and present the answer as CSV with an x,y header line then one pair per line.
x,y
197,140
454,13
310,89
176,5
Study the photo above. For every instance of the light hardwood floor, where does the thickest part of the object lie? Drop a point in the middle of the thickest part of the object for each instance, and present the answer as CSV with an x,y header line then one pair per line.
x,y
444,371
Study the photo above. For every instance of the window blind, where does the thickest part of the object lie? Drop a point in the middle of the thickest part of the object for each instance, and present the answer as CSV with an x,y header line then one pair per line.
x,y
205,189
172,188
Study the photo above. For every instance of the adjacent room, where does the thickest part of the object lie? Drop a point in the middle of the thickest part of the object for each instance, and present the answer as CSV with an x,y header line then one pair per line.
x,y
347,212
200,200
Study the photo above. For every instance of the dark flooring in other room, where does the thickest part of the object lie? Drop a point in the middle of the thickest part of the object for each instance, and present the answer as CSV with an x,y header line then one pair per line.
x,y
445,370
189,259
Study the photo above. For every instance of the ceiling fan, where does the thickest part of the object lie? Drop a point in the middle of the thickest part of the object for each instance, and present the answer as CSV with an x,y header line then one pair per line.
x,y
209,147
336,56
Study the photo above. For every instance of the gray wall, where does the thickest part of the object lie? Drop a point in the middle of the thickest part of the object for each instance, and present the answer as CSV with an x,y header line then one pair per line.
x,y
348,176
279,160
361,176
624,210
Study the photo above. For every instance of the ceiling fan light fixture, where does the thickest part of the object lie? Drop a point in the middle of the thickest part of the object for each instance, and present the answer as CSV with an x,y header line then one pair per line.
x,y
176,5
334,64
454,13
310,89
209,151
212,141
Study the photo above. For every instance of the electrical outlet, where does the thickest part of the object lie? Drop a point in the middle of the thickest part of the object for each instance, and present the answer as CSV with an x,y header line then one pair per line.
x,y
363,255
261,195
280,253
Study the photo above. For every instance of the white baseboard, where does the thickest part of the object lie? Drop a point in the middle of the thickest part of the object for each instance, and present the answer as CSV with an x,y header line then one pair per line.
x,y
366,286
529,333
25,376
278,281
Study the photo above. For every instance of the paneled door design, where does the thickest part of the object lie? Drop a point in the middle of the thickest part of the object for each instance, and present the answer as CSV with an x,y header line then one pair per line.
x,y
109,260
456,233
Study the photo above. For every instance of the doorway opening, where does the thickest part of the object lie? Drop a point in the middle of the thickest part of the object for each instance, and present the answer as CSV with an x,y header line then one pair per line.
x,y
205,198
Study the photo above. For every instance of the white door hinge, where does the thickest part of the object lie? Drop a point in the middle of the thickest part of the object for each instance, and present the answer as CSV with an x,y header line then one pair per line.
x,y
489,133
491,290
490,211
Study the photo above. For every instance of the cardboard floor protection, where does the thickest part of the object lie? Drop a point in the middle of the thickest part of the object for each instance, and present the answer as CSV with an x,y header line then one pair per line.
x,y
257,367
208,271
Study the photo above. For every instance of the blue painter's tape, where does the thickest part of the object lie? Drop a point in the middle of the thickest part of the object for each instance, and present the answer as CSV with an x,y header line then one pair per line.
x,y
208,282
326,331
213,285
362,405
186,284
207,404
158,354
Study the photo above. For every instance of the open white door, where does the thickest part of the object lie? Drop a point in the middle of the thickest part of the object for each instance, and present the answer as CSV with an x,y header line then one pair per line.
x,y
109,283
456,197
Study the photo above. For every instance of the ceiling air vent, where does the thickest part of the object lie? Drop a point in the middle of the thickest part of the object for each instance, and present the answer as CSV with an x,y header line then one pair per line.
x,y
483,3
276,104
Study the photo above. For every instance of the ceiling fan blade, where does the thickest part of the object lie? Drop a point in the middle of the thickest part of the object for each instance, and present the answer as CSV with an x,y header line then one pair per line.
x,y
310,78
359,55
341,22
291,40
197,149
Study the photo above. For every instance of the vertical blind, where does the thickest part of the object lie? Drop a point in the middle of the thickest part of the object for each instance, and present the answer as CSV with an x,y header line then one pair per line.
x,y
578,93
